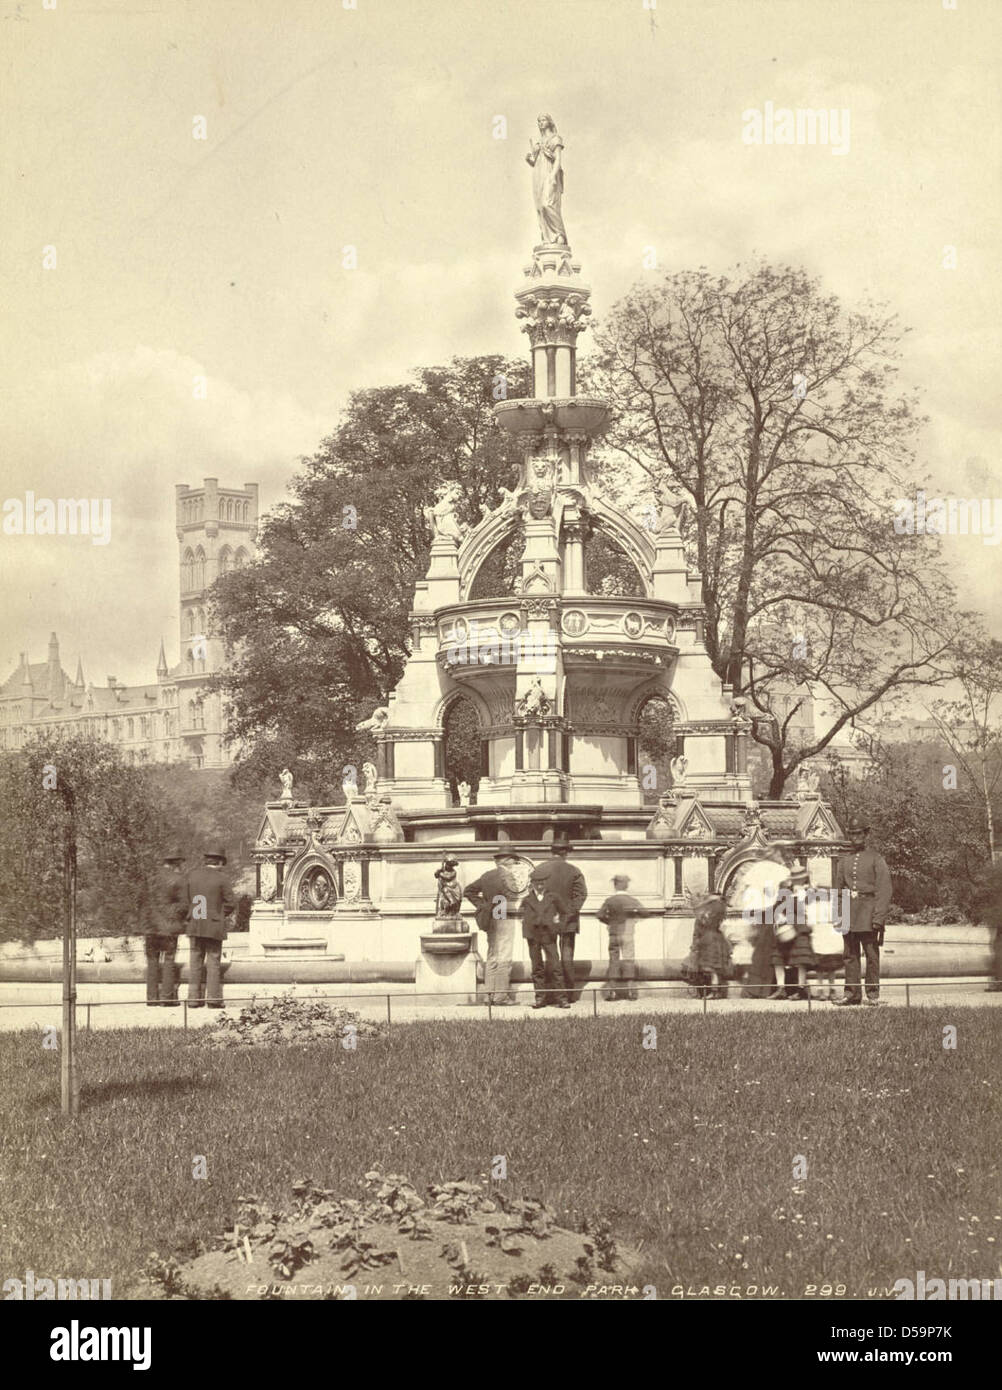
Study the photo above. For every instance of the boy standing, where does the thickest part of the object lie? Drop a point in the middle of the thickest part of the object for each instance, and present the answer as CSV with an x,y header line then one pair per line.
x,y
619,912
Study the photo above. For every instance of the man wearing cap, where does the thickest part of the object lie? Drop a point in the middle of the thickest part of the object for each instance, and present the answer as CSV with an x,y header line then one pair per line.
x,y
210,902
169,912
864,874
542,912
566,883
619,912
494,896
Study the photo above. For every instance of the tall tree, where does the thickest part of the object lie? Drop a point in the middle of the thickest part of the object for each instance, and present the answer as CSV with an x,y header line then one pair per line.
x,y
971,724
316,628
770,411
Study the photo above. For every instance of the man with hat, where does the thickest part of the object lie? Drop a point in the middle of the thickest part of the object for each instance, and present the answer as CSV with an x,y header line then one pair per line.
x,y
566,883
542,912
619,912
864,874
210,902
494,896
169,912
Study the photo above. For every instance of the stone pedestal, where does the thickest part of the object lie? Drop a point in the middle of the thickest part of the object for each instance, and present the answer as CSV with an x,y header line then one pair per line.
x,y
447,966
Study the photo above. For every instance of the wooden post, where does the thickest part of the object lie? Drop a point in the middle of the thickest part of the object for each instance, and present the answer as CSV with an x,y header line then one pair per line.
x,y
69,1081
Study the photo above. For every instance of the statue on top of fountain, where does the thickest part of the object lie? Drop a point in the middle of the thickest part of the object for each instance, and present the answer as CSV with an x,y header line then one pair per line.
x,y
545,157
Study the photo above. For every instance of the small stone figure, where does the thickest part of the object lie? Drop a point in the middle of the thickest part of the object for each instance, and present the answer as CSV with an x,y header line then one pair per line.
x,y
808,780
285,777
349,785
679,767
371,777
464,789
534,701
739,707
442,516
376,722
449,898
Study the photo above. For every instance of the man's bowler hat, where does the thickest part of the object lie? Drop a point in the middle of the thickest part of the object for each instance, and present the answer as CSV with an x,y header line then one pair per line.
x,y
173,856
215,852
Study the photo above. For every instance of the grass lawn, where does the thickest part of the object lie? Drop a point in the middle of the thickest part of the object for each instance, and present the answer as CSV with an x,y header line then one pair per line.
x,y
689,1150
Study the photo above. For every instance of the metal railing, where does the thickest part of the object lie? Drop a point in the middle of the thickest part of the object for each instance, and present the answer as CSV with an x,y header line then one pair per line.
x,y
645,993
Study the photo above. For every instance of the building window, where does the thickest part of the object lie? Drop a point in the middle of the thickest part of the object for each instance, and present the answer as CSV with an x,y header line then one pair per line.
x,y
225,560
131,729
240,559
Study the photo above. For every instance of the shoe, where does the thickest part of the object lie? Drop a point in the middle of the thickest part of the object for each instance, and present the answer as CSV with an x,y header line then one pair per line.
x,y
216,1006
540,1005
153,1003
633,997
873,1003
563,1004
994,988
847,1001
199,1004
502,1004
170,1003
777,994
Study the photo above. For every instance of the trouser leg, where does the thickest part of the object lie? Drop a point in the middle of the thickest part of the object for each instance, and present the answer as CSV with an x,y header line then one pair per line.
x,y
196,971
168,985
852,949
555,993
611,990
152,946
213,963
566,974
872,951
538,963
628,962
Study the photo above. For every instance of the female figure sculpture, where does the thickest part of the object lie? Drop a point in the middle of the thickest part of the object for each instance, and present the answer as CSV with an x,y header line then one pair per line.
x,y
548,182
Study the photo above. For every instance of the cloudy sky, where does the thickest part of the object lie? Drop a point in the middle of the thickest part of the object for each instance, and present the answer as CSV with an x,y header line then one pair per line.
x,y
374,127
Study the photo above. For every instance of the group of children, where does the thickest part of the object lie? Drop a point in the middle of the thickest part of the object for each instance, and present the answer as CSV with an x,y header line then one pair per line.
x,y
800,937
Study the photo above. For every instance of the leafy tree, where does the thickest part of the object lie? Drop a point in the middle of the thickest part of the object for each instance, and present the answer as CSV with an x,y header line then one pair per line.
x,y
971,725
770,411
316,628
57,785
931,837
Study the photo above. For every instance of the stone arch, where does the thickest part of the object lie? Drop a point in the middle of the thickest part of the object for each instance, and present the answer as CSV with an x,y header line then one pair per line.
x,y
240,559
310,866
496,529
461,725
225,559
657,742
188,569
609,569
629,537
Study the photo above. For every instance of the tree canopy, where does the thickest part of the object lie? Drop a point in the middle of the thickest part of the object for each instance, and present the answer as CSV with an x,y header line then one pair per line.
x,y
773,414
316,629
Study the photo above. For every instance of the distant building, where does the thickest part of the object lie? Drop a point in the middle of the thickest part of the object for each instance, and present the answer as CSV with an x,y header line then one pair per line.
x,y
174,719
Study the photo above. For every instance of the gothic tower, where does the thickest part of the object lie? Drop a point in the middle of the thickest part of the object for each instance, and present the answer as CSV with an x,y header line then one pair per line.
x,y
216,530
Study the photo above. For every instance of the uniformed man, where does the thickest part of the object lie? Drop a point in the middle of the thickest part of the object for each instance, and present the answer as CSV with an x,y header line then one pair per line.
x,y
566,882
210,903
494,896
169,913
864,873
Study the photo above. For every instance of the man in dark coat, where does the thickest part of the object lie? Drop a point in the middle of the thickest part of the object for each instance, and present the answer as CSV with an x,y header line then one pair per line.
x,y
169,913
495,896
210,902
566,882
865,875
542,914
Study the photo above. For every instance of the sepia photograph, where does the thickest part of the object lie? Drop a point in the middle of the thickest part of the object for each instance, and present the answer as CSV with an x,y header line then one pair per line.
x,y
501,546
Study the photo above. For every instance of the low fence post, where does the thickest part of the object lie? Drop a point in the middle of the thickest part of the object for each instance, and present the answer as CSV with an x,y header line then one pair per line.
x,y
389,1018
908,996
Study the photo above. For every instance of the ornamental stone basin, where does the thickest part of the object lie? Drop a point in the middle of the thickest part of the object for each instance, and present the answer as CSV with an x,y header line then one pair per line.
x,y
588,414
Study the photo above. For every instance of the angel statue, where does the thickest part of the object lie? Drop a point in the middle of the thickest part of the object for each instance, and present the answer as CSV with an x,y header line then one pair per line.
x,y
679,767
545,157
464,789
376,721
371,777
442,516
349,785
285,777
